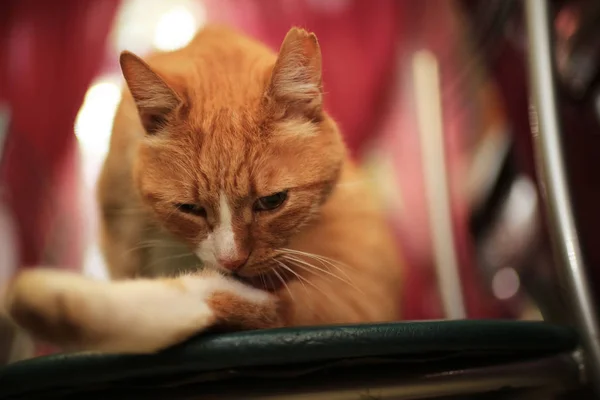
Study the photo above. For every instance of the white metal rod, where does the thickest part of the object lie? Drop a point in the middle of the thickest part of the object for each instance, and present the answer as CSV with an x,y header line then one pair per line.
x,y
429,116
551,169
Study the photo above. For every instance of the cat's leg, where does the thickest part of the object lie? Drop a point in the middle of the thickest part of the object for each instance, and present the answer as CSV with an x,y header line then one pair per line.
x,y
137,316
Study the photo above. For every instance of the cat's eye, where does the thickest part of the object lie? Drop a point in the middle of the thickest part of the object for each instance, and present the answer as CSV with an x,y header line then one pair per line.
x,y
193,209
271,202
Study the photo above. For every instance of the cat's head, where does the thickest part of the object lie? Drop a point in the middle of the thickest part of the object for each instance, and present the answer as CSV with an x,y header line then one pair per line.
x,y
238,154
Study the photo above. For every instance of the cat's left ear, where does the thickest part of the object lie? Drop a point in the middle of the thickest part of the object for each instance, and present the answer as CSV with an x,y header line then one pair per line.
x,y
154,98
296,77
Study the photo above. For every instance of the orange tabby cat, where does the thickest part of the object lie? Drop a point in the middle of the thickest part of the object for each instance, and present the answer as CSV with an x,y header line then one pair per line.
x,y
222,158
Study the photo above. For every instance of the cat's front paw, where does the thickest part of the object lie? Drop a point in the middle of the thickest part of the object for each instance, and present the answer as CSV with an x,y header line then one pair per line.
x,y
138,316
237,305
46,303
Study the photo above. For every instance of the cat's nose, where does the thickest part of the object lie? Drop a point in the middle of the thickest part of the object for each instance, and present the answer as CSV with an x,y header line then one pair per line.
x,y
233,264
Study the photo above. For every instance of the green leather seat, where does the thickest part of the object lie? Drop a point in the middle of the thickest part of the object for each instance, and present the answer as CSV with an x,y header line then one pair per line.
x,y
410,358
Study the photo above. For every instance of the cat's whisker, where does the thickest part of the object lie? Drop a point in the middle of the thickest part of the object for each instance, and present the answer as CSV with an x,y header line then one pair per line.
x,y
271,282
309,256
300,279
302,267
333,264
154,244
303,279
308,266
263,281
330,261
187,271
299,263
169,258
284,283
314,255
282,264
326,262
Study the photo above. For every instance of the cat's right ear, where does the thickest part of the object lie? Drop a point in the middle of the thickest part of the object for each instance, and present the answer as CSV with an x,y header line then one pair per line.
x,y
154,98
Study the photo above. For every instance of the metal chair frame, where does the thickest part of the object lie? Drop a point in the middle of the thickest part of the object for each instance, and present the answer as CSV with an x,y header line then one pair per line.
x,y
546,130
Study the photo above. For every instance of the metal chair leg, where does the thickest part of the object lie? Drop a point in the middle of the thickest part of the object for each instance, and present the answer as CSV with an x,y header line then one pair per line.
x,y
551,169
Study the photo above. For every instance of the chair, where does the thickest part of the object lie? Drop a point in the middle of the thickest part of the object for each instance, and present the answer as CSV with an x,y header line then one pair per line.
x,y
387,361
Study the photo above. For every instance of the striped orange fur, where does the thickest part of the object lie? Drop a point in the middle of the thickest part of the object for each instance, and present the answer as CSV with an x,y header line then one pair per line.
x,y
227,199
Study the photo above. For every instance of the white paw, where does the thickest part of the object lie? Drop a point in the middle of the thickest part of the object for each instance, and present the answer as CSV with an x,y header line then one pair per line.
x,y
208,284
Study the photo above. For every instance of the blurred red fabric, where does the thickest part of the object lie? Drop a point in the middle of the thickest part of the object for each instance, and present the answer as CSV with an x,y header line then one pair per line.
x,y
50,51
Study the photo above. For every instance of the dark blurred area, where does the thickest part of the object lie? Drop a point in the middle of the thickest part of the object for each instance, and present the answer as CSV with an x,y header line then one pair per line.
x,y
431,96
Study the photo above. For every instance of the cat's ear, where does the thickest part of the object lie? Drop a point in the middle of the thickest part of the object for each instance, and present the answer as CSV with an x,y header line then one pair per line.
x,y
154,98
296,77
